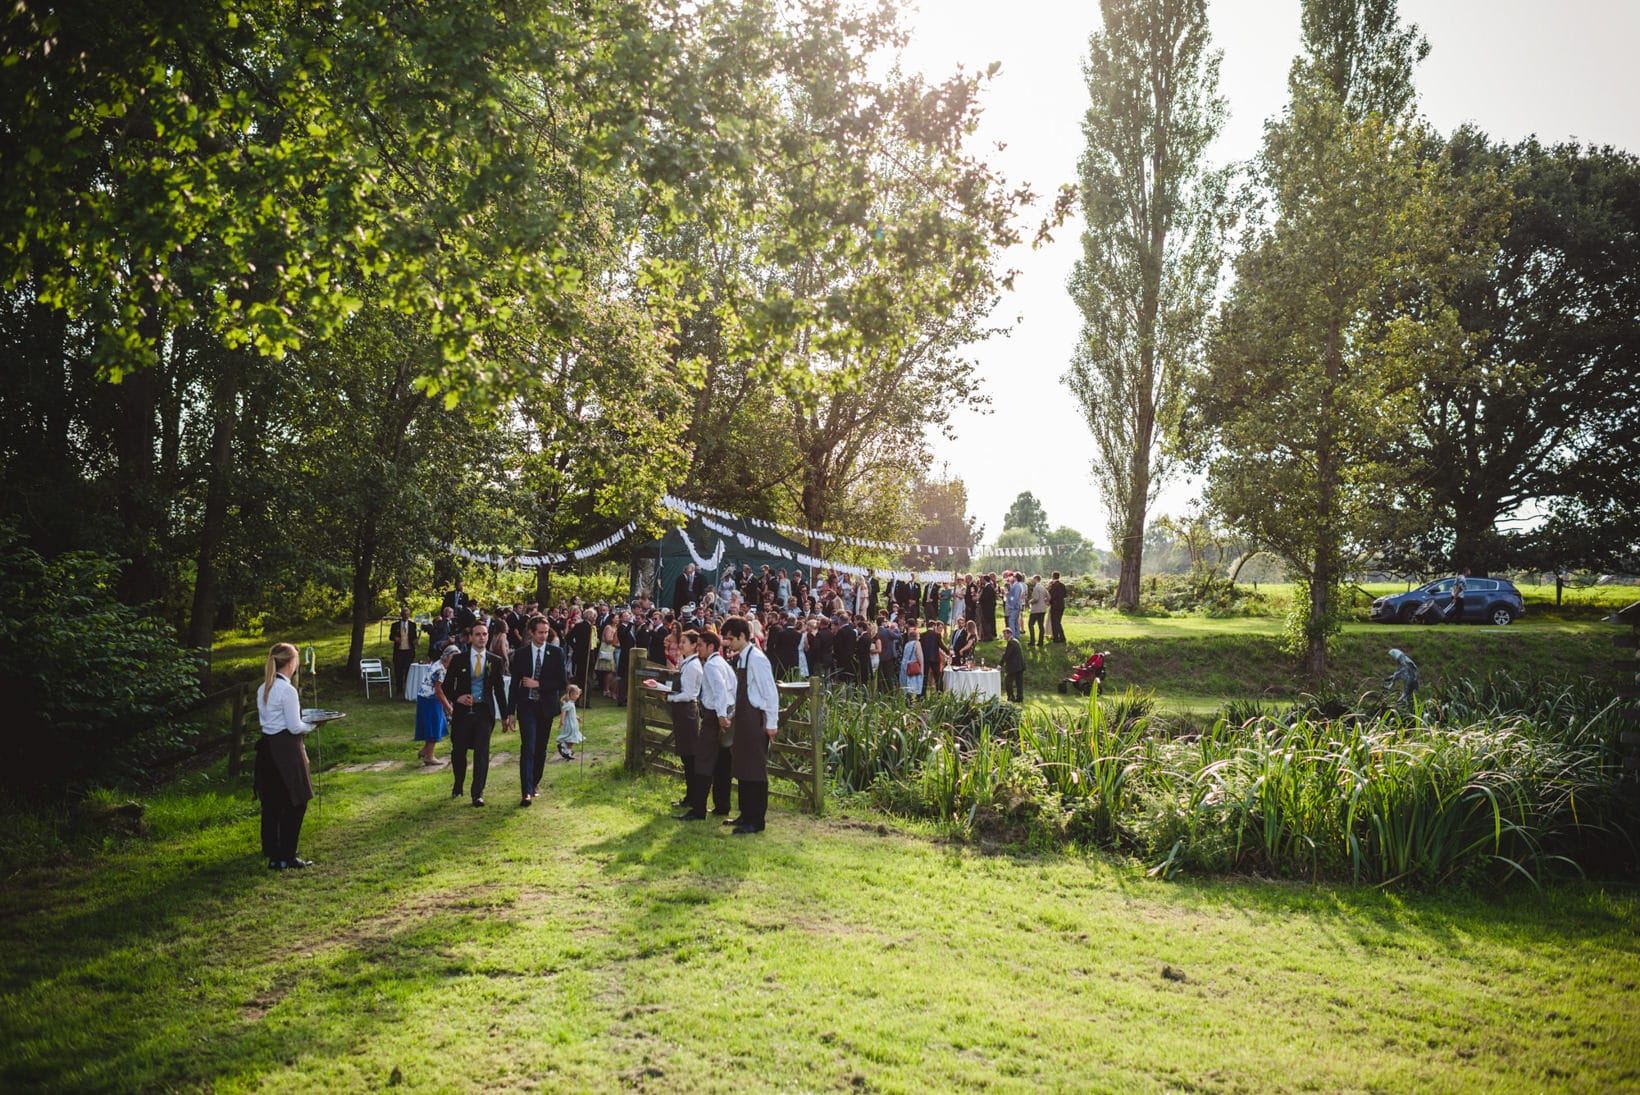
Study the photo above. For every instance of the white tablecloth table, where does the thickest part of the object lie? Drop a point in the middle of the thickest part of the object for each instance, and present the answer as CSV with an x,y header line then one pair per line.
x,y
412,681
974,682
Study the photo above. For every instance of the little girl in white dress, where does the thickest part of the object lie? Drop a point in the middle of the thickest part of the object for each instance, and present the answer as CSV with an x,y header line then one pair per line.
x,y
569,723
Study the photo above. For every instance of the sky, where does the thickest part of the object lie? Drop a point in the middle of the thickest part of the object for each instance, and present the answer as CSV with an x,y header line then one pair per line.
x,y
1513,68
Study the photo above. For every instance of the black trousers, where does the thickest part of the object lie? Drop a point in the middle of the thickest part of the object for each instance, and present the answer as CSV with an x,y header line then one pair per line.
x,y
401,668
1014,685
472,731
722,777
281,822
1056,618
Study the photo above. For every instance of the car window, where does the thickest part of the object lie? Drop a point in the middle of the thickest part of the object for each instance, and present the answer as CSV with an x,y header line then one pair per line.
x,y
1442,586
1483,585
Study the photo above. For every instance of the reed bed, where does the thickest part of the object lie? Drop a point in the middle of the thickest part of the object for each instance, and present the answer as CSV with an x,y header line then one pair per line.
x,y
1497,780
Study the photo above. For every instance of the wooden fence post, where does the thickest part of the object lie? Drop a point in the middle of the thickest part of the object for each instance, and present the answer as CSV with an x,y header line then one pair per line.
x,y
817,717
1628,734
634,717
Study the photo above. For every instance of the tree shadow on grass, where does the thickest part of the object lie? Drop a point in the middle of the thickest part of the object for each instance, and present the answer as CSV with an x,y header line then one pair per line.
x,y
94,984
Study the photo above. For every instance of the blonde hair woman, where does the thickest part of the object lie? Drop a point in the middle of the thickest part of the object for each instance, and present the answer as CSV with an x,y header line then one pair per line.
x,y
282,781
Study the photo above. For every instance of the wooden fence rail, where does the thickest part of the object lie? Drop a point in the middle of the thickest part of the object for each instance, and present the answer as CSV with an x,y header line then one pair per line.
x,y
796,755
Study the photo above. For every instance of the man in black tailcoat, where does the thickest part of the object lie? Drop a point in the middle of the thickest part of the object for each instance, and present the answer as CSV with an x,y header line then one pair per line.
x,y
539,674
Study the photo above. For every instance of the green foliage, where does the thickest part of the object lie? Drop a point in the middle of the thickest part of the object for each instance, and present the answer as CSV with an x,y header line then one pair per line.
x,y
1027,513
1341,306
1504,779
92,683
1152,247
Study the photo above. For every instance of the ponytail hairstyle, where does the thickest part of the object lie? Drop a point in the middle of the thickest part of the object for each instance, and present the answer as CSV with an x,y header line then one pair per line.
x,y
281,655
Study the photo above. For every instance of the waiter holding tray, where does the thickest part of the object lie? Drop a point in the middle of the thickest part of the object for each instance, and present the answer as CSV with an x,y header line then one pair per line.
x,y
282,779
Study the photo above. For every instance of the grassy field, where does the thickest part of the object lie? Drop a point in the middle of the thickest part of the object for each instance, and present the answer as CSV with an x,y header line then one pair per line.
x,y
592,944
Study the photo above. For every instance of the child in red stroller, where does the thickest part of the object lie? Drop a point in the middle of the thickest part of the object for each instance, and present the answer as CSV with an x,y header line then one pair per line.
x,y
1082,678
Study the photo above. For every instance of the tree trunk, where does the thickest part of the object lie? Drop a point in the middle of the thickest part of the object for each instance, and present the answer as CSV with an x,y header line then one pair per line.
x,y
218,489
364,561
135,496
1315,651
543,586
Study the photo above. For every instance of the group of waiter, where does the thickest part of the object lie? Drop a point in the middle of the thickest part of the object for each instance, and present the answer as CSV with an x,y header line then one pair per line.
x,y
725,710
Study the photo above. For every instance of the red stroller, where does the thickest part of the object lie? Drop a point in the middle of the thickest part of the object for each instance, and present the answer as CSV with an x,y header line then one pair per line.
x,y
1083,676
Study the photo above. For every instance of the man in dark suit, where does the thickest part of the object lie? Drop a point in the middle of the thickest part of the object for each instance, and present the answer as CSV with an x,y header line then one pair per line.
x,y
402,635
1013,667
626,640
935,657
873,589
473,685
843,652
988,608
1056,608
582,640
441,632
539,678
461,605
683,589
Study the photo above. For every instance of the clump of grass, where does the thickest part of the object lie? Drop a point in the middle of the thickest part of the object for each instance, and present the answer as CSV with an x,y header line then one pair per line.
x,y
1453,789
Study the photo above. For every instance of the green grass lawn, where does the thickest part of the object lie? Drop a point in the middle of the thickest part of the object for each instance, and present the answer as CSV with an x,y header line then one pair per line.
x,y
590,943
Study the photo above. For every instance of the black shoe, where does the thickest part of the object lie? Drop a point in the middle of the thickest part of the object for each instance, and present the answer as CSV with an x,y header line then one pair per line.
x,y
692,815
276,864
297,864
456,793
742,830
525,801
478,802
680,802
735,821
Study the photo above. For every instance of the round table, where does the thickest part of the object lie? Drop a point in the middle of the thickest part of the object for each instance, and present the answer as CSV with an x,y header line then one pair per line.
x,y
413,679
982,683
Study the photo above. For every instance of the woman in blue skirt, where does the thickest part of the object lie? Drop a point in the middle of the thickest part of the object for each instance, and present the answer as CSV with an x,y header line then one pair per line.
x,y
432,710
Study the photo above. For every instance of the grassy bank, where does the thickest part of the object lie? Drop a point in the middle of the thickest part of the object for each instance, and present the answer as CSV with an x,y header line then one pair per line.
x,y
591,943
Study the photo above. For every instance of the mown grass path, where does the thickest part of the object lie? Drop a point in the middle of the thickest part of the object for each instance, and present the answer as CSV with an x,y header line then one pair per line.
x,y
592,944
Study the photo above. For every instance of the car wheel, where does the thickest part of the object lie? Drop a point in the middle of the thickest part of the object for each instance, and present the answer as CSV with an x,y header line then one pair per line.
x,y
1501,615
1407,612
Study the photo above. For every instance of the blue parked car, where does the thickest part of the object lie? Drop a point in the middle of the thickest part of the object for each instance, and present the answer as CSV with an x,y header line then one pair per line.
x,y
1485,600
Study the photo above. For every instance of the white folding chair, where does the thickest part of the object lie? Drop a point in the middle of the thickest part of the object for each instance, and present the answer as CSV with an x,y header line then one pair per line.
x,y
371,671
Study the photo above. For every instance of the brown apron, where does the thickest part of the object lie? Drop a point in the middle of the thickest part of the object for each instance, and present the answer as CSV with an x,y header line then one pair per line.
x,y
751,748
290,760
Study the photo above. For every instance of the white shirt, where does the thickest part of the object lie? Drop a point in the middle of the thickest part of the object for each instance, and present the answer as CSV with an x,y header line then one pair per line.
x,y
689,681
760,686
280,708
717,687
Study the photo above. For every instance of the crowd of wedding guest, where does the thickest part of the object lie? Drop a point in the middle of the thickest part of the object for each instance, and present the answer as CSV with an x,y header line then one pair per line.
x,y
841,627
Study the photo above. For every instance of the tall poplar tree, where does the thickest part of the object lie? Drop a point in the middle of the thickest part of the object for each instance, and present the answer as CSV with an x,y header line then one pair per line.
x,y
1340,307
1151,249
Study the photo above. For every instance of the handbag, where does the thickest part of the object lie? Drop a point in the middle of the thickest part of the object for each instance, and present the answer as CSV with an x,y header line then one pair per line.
x,y
914,669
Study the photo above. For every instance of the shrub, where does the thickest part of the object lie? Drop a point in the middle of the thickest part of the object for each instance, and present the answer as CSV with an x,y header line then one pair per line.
x,y
93,683
1464,787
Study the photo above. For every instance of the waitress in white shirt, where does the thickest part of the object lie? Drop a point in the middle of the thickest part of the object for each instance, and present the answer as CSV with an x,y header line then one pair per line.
x,y
282,781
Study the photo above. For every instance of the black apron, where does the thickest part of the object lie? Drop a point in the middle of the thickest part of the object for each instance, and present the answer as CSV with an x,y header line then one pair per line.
x,y
286,769
751,748
685,721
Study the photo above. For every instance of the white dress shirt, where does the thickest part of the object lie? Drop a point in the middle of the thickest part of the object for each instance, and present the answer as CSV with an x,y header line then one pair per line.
x,y
717,686
690,675
280,708
760,686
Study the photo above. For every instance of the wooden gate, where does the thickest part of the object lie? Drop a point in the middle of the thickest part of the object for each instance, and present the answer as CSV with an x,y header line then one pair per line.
x,y
796,755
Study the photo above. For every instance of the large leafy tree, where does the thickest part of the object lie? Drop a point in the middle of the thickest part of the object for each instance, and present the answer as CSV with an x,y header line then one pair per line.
x,y
1027,512
1537,415
1151,249
838,284
1340,307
